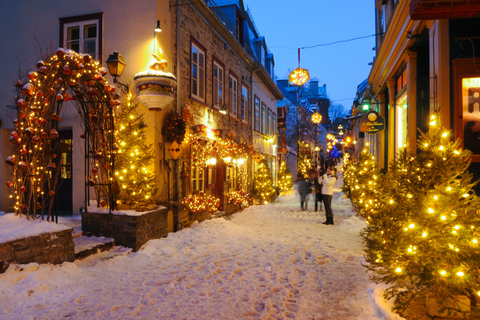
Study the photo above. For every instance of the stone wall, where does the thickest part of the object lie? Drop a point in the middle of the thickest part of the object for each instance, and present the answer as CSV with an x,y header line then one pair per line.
x,y
131,231
54,247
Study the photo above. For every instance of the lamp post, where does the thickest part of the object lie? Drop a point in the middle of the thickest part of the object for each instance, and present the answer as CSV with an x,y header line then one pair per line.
x,y
116,64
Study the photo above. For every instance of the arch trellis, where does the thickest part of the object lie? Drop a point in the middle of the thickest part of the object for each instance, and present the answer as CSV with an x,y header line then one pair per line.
x,y
41,97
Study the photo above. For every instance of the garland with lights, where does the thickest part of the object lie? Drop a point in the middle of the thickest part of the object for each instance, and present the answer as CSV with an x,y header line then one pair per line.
x,y
36,149
204,148
285,181
201,202
423,236
134,161
263,187
240,198
174,128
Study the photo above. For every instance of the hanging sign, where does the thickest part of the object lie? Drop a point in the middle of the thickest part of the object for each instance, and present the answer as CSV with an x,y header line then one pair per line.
x,y
200,128
372,123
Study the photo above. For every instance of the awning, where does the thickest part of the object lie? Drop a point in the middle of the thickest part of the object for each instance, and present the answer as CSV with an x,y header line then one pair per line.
x,y
358,116
444,9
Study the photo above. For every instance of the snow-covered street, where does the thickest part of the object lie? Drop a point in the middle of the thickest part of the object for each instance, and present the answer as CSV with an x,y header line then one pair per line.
x,y
267,262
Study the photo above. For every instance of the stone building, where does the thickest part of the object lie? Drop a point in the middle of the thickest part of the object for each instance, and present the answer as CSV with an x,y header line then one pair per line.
x,y
223,73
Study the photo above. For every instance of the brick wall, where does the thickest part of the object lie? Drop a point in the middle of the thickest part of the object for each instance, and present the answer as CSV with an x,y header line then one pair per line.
x,y
128,231
54,247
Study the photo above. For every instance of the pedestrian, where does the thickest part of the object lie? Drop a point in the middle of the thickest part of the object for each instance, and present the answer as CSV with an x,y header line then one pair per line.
x,y
303,189
328,180
318,189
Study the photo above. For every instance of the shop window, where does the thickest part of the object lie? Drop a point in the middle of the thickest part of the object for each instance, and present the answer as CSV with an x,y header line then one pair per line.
x,y
218,80
82,34
244,105
232,178
401,109
471,114
232,87
264,118
257,114
197,179
197,72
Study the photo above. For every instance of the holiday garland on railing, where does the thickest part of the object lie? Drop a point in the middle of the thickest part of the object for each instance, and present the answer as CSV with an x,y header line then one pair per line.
x,y
201,202
240,197
204,148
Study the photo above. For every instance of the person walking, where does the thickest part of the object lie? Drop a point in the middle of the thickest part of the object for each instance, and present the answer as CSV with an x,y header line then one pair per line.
x,y
318,189
303,189
328,180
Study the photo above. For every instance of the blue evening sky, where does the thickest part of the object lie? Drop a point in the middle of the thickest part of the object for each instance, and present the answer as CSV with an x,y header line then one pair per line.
x,y
288,25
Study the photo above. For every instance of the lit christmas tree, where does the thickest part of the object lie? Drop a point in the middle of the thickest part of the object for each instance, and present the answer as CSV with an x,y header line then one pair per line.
x,y
423,236
263,183
285,178
305,164
133,163
362,180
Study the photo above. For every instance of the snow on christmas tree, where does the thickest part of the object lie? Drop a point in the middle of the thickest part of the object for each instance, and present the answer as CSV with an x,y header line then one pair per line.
x,y
134,161
263,187
285,177
424,236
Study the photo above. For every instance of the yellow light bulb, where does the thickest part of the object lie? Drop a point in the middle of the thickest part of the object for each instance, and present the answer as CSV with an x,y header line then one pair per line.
x,y
460,274
443,272
398,270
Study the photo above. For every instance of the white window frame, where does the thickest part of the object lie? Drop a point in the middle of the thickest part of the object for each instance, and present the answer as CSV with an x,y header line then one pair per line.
x,y
233,94
263,117
199,85
82,39
244,103
257,114
197,180
218,81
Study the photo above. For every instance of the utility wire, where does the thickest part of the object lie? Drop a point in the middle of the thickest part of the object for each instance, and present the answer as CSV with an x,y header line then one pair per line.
x,y
331,43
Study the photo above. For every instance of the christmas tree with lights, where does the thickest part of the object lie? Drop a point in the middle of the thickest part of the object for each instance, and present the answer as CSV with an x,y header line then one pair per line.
x,y
305,164
263,187
285,177
422,238
362,180
134,161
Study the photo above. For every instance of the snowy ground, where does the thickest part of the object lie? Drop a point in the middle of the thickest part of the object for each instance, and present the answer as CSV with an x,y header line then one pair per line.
x,y
267,262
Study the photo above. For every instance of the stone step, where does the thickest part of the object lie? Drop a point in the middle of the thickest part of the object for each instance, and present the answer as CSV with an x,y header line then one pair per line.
x,y
86,246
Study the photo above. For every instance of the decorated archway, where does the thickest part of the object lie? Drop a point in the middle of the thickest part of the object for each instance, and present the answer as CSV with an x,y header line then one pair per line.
x,y
41,97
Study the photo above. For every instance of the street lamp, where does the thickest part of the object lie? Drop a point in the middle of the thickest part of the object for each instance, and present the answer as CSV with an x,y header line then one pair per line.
x,y
116,64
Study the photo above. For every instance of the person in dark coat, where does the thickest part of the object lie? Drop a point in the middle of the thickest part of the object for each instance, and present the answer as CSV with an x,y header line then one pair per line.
x,y
318,188
304,189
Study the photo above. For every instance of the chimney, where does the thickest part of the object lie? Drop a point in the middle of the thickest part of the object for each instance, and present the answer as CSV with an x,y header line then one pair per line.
x,y
314,87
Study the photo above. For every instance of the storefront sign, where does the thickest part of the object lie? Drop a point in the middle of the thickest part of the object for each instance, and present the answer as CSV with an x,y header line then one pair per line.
x,y
200,128
372,123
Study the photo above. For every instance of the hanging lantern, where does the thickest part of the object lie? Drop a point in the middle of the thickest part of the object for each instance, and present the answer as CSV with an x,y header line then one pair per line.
x,y
299,76
53,134
10,160
316,117
22,166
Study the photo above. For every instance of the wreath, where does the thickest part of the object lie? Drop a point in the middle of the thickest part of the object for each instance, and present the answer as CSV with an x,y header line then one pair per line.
x,y
174,128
